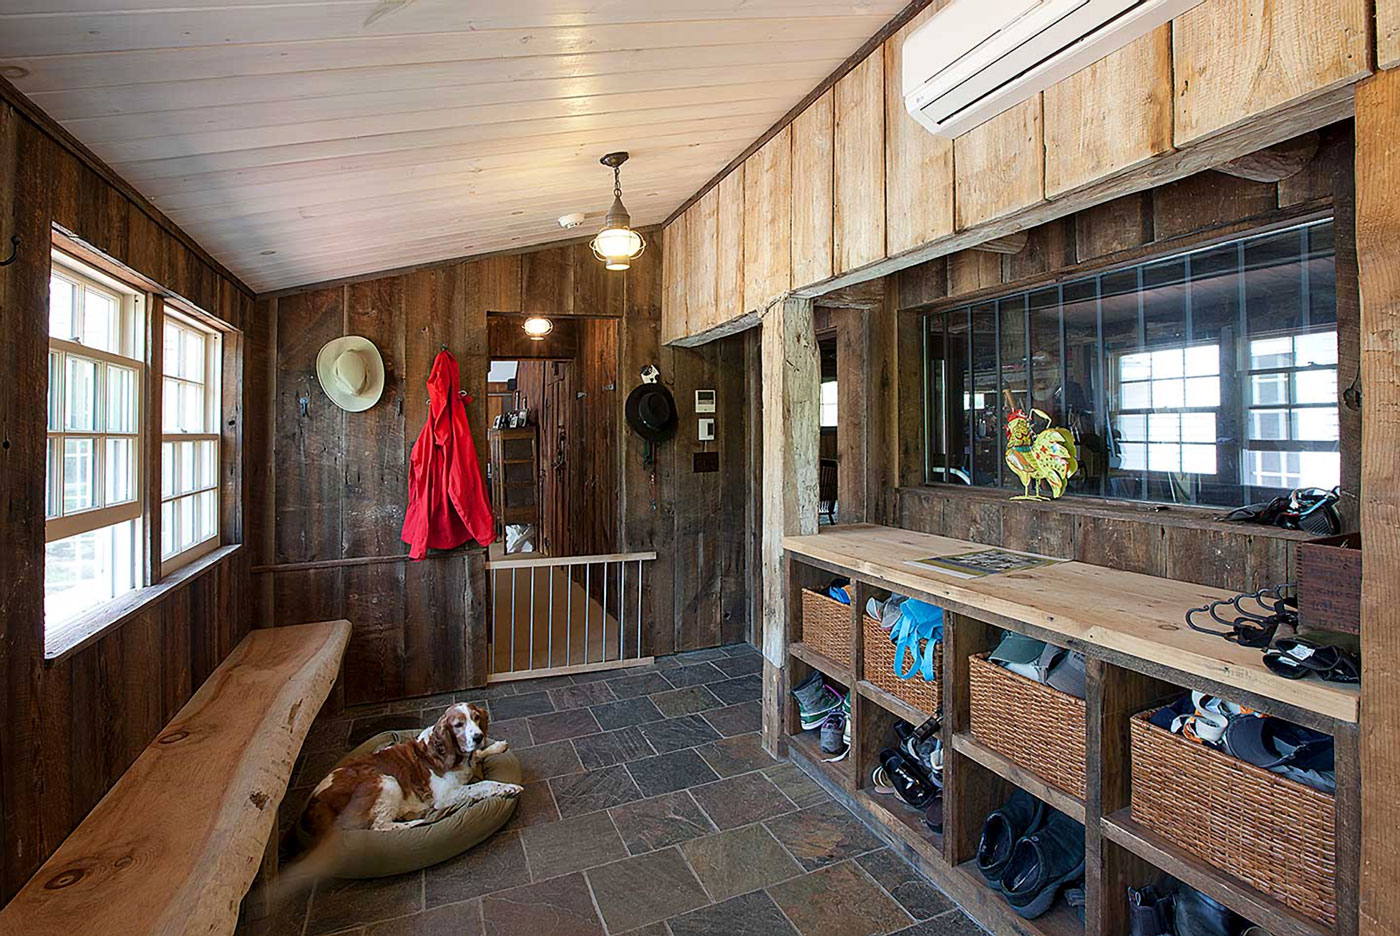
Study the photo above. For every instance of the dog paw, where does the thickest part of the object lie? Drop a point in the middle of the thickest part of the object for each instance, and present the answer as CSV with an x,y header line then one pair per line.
x,y
496,747
511,790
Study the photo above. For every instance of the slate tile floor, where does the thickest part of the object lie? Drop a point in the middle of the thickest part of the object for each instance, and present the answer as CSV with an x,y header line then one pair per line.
x,y
650,809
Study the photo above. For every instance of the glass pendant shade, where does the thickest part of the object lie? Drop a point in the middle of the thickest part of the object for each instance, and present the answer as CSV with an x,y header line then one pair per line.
x,y
536,328
617,245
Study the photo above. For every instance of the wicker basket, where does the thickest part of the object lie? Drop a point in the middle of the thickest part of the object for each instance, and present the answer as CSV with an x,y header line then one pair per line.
x,y
1037,726
1271,832
878,669
826,626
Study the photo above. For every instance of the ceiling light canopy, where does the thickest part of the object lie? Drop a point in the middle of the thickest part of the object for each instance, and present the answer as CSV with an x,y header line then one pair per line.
x,y
617,245
536,327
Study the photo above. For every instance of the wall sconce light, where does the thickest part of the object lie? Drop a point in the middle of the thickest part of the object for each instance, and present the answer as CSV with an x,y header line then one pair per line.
x,y
536,327
617,245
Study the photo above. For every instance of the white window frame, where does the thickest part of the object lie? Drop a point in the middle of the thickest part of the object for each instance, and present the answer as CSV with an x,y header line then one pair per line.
x,y
212,382
61,525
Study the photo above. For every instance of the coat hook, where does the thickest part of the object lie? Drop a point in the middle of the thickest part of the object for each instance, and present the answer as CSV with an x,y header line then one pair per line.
x,y
14,252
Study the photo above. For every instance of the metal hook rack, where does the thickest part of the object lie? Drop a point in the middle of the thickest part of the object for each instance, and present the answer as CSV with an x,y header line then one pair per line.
x,y
14,252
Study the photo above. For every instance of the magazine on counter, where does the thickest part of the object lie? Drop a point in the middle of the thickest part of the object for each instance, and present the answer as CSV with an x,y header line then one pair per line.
x,y
983,562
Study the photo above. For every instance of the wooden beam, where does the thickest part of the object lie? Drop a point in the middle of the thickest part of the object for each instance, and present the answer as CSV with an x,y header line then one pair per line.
x,y
1009,244
1274,163
1377,229
791,400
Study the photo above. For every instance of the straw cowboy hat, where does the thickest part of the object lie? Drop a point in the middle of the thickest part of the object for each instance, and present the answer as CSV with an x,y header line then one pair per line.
x,y
351,372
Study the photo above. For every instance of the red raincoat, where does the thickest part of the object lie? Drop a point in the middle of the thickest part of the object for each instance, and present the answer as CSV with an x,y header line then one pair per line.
x,y
446,498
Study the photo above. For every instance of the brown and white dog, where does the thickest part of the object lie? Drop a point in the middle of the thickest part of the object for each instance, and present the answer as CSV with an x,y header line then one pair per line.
x,y
398,785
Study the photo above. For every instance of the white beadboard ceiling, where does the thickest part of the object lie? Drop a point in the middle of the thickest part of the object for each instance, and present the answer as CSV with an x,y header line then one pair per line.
x,y
307,140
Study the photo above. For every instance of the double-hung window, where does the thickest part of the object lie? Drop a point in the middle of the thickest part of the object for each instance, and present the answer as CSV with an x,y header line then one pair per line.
x,y
189,451
94,487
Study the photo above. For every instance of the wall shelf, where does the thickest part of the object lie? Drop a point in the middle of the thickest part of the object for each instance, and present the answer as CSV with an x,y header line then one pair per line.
x,y
1075,612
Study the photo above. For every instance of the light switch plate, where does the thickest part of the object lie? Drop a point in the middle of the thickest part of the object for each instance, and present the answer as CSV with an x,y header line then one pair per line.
x,y
707,429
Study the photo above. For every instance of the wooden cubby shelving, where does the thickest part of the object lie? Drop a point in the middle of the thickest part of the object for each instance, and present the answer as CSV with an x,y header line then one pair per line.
x,y
1165,659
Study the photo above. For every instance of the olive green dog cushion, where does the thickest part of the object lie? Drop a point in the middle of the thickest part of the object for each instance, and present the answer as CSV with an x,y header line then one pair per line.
x,y
364,853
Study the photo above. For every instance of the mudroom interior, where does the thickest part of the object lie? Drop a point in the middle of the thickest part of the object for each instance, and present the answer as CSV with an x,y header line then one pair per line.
x,y
786,467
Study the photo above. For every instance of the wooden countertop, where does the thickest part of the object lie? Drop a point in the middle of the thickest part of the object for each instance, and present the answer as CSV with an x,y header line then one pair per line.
x,y
1143,616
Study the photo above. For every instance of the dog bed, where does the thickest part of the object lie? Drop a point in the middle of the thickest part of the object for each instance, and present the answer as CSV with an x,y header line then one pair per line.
x,y
369,854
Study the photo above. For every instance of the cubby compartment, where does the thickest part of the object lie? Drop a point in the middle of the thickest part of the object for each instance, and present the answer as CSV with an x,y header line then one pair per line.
x,y
1035,726
807,743
877,669
821,629
876,728
1269,831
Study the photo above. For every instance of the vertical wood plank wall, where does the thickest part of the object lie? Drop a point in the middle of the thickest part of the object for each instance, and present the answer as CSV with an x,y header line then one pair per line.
x,y
332,490
70,728
1377,227
1224,79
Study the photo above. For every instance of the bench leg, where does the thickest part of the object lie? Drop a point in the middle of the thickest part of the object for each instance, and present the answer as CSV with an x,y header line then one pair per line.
x,y
255,916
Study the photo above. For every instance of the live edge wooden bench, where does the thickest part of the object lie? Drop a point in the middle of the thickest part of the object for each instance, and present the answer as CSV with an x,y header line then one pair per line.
x,y
175,845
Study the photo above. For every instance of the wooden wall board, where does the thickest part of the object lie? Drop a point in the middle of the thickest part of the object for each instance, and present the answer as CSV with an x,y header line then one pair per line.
x,y
858,229
547,282
508,341
813,140
674,264
1120,224
729,247
1205,200
999,167
1234,59
768,222
1111,116
702,267
1377,227
922,284
1049,246
1388,33
971,270
918,165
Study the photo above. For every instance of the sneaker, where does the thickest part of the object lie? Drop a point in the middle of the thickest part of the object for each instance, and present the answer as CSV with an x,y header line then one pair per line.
x,y
835,731
815,701
1020,816
1042,863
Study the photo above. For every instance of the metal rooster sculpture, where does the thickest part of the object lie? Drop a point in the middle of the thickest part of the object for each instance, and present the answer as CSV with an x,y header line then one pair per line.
x,y
1049,456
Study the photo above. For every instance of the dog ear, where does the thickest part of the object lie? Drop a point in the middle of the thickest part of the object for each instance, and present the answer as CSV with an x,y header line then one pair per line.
x,y
443,741
481,717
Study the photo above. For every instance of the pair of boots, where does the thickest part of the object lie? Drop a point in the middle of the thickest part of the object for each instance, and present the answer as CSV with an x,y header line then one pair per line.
x,y
821,706
1029,852
1178,910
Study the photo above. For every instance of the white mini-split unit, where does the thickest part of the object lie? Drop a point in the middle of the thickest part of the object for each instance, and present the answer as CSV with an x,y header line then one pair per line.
x,y
976,58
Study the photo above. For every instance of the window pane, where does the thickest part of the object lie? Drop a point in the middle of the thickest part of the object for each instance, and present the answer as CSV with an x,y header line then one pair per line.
x,y
80,385
1198,459
63,309
170,403
1198,427
208,514
122,409
79,475
170,358
208,460
192,408
167,529
1270,352
120,468
55,390
1269,389
101,322
1315,424
167,469
185,524
1316,348
1268,424
52,495
1203,391
192,356
1315,386
184,467
83,571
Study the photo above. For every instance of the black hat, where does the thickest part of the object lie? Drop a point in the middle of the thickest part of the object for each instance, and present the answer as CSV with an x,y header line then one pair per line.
x,y
651,410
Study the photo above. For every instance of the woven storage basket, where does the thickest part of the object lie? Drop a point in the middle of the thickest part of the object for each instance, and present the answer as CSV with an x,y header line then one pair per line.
x,y
826,626
1271,832
878,669
1035,725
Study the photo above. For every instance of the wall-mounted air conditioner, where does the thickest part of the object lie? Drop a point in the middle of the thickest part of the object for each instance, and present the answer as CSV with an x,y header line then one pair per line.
x,y
976,58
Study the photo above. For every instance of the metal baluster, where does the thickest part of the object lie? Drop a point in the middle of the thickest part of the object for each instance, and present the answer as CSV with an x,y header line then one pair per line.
x,y
531,657
512,619
603,644
551,616
569,615
587,597
639,609
492,629
621,605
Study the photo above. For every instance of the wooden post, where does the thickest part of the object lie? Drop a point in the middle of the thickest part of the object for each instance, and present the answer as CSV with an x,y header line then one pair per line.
x,y
1377,228
791,397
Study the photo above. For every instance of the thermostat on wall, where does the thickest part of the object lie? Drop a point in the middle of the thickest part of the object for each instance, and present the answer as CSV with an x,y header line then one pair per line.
x,y
704,401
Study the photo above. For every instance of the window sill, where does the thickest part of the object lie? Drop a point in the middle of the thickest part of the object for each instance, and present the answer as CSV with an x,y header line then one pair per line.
x,y
1175,515
100,622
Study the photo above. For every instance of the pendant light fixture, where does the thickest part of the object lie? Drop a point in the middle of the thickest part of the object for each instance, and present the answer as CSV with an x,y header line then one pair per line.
x,y
617,245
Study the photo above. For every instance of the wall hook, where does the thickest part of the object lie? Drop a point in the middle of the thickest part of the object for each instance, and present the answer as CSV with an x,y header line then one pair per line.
x,y
14,252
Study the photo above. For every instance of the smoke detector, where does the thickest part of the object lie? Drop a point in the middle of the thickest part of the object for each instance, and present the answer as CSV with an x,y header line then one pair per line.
x,y
571,220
